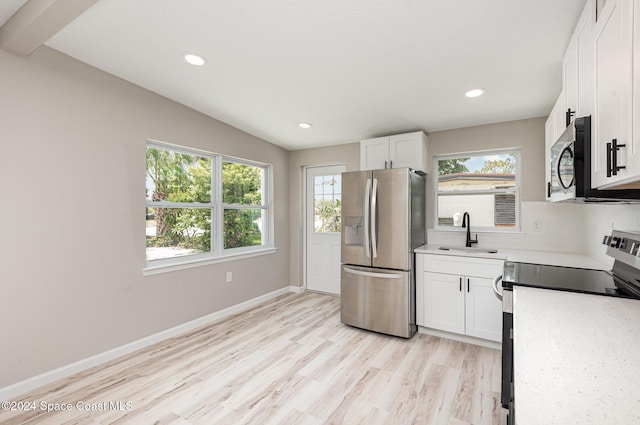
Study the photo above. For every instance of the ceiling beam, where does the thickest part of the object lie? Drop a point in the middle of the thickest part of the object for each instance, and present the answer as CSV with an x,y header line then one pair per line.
x,y
37,21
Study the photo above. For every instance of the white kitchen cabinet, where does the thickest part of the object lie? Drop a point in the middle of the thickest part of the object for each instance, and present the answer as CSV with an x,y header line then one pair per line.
x,y
443,302
577,84
397,151
577,65
455,294
553,128
615,136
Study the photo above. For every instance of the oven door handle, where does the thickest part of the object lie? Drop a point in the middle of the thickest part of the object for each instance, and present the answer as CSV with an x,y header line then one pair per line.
x,y
496,290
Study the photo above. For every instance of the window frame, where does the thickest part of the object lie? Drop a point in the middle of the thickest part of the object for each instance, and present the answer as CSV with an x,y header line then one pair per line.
x,y
515,190
217,251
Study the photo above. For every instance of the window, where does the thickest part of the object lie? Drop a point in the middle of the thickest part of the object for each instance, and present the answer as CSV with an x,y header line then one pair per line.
x,y
244,211
202,205
484,184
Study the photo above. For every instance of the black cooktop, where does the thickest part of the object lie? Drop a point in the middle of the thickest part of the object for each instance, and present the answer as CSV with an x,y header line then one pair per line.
x,y
559,278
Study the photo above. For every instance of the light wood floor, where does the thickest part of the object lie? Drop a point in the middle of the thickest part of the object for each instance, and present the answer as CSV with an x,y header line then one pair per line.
x,y
288,361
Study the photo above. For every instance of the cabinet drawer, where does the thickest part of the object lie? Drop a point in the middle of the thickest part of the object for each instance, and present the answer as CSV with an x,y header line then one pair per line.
x,y
465,266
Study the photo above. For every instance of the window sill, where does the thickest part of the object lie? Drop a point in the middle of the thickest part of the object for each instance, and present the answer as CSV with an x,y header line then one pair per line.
x,y
198,262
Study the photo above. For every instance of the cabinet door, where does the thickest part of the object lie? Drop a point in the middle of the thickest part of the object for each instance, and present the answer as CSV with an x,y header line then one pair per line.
x,y
408,150
552,130
443,302
570,79
374,153
577,66
483,309
420,297
612,90
633,154
584,45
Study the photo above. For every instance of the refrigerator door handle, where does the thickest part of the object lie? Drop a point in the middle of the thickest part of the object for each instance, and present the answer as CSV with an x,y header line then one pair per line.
x,y
372,274
367,194
374,207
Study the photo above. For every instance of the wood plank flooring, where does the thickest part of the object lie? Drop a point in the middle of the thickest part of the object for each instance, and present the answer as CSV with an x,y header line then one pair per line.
x,y
287,361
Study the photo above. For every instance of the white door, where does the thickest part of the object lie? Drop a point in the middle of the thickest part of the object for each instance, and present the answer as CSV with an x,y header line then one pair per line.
x,y
323,202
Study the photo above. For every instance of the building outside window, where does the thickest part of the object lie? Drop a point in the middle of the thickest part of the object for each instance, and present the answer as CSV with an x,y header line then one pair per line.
x,y
201,205
484,184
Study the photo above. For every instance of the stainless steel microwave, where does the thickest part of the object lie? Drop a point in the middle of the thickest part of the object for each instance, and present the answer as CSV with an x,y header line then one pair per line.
x,y
570,179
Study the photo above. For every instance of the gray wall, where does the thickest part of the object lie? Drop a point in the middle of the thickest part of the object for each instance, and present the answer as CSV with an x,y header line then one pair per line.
x,y
72,244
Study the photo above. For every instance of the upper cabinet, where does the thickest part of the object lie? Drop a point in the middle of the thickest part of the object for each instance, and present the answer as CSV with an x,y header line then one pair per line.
x,y
553,128
575,100
601,78
397,151
616,96
577,78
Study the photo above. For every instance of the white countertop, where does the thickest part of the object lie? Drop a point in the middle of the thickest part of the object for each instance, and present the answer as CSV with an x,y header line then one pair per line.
x,y
576,358
552,258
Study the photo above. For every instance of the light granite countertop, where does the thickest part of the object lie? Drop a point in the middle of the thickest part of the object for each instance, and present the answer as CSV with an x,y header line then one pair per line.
x,y
576,358
552,258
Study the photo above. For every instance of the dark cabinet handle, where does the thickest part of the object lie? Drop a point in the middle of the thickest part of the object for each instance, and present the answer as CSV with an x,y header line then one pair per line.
x,y
467,284
460,285
615,148
612,158
567,116
609,150
548,189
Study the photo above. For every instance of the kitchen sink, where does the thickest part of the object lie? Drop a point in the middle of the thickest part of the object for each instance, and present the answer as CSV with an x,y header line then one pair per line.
x,y
468,249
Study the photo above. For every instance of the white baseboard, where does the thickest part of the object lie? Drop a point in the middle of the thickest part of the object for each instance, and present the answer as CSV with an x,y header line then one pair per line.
x,y
462,338
14,390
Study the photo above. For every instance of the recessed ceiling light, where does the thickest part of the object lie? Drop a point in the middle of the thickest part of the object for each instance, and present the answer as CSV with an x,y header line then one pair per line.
x,y
194,59
304,125
475,92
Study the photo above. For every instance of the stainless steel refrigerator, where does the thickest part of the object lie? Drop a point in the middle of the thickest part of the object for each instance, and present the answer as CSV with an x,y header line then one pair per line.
x,y
383,221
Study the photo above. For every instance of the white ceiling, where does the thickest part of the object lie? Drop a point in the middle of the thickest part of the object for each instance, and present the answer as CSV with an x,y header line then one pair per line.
x,y
8,8
353,68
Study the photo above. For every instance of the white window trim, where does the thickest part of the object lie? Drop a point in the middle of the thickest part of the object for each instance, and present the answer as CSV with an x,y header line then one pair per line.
x,y
218,253
191,261
510,230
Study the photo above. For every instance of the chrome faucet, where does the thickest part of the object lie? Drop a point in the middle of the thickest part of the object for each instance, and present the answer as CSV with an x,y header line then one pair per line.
x,y
466,222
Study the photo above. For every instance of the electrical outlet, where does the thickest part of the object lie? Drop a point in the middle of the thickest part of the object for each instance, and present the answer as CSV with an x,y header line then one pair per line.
x,y
229,277
537,225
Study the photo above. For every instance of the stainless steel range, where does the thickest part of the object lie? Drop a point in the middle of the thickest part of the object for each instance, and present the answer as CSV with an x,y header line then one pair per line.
x,y
623,280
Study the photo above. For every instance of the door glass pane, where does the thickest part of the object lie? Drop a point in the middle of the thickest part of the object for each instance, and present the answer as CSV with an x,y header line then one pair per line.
x,y
327,203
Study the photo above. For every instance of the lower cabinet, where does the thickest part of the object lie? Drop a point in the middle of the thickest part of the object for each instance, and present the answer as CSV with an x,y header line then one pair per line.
x,y
459,303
